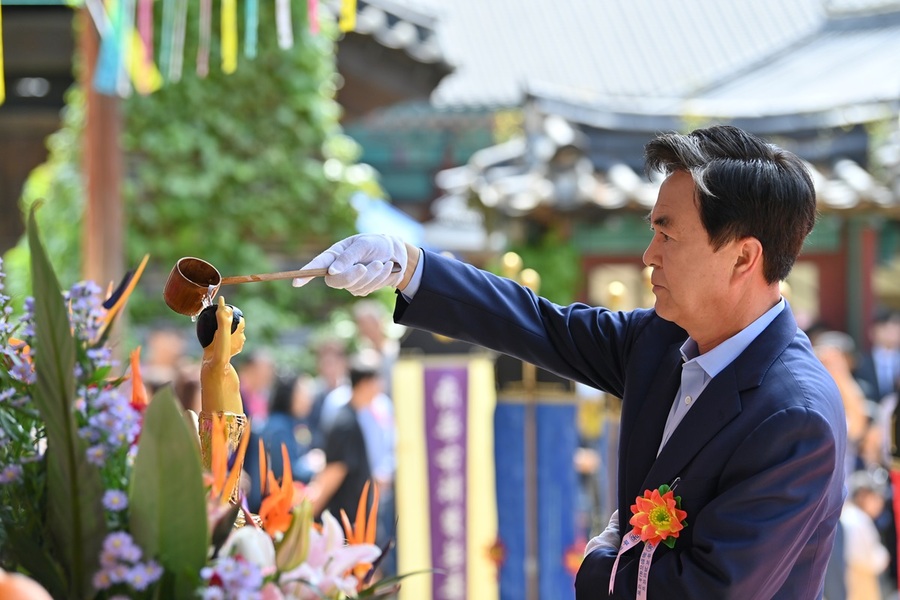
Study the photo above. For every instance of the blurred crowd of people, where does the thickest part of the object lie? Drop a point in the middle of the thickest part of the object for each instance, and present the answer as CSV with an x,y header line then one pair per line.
x,y
864,563
335,422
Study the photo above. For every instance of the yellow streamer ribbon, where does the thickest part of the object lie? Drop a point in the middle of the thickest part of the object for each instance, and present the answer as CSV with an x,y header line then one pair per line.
x,y
229,36
144,74
2,76
347,21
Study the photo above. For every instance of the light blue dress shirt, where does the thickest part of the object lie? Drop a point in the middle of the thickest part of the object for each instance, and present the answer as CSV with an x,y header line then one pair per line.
x,y
698,369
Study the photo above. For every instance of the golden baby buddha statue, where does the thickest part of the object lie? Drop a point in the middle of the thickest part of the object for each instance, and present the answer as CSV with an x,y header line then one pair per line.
x,y
220,330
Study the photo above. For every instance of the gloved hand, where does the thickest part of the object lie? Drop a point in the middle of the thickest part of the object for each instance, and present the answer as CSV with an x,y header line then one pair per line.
x,y
609,538
361,263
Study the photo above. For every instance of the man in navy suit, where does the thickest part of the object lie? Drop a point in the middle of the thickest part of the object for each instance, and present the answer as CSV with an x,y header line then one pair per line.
x,y
723,399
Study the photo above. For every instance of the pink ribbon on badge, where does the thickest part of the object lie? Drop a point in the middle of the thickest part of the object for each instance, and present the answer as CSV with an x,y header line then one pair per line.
x,y
631,540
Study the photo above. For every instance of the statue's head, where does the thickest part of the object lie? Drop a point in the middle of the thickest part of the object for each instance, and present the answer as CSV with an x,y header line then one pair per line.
x,y
207,325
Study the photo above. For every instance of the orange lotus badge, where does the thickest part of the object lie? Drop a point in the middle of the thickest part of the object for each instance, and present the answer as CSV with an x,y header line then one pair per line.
x,y
658,516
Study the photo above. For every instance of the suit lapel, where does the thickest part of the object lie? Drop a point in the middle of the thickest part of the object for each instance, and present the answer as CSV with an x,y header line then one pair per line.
x,y
720,402
648,425
715,407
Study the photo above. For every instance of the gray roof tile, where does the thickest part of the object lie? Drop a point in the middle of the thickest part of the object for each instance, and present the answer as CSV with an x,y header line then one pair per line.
x,y
605,48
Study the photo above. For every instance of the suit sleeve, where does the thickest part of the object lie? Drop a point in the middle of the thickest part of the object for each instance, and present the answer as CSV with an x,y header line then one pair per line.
x,y
586,344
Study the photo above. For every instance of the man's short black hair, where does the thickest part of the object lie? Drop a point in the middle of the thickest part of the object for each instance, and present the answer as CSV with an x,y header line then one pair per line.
x,y
207,323
746,187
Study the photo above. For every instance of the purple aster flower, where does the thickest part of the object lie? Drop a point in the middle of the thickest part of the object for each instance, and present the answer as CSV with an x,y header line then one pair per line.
x,y
119,573
102,580
143,574
121,545
96,455
101,357
10,473
108,559
22,371
7,394
115,500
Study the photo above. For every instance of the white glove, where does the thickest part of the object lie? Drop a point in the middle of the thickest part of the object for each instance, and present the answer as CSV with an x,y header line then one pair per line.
x,y
361,264
609,538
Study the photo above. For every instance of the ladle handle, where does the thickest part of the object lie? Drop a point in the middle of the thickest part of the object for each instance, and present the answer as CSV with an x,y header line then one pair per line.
x,y
275,276
282,275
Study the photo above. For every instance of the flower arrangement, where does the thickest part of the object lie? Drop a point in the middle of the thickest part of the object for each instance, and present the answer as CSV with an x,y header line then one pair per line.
x,y
102,493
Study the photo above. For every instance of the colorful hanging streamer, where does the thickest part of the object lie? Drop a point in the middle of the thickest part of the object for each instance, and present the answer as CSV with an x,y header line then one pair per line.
x,y
121,51
251,25
347,22
145,28
205,35
124,32
229,36
176,59
312,15
283,24
2,75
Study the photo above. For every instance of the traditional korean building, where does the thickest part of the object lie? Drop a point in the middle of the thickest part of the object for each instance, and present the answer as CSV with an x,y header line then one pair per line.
x,y
588,87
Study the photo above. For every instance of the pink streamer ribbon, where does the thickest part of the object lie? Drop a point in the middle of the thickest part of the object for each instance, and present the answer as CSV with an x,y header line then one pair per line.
x,y
631,540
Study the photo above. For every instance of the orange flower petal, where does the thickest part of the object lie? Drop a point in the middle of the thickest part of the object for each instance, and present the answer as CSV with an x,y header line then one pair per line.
x,y
235,473
138,391
372,524
360,526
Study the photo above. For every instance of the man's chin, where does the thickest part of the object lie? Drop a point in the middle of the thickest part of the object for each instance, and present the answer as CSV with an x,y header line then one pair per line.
x,y
661,311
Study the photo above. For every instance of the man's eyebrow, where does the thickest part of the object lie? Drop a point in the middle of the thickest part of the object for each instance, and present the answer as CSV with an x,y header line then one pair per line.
x,y
660,221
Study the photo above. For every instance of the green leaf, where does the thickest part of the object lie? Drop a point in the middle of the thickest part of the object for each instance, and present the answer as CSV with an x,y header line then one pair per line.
x,y
74,488
167,500
34,559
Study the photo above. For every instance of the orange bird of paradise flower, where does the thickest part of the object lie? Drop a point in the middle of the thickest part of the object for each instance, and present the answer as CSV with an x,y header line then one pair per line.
x,y
363,531
276,508
139,399
657,517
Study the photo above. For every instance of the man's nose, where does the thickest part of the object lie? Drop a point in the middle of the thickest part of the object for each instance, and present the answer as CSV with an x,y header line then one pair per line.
x,y
650,256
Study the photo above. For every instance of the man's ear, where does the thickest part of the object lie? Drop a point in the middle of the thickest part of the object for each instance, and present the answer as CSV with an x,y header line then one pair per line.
x,y
749,256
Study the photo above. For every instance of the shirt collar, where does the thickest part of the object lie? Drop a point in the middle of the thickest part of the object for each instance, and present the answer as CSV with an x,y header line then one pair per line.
x,y
724,354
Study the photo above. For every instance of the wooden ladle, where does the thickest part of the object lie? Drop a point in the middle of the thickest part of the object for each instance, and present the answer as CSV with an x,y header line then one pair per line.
x,y
193,283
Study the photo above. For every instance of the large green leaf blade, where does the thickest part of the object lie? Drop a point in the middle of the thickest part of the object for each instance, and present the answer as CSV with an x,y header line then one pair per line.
x,y
167,498
75,515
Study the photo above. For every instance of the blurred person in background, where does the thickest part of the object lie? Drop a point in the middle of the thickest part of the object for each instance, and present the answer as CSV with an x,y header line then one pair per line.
x,y
257,375
340,483
331,373
161,357
879,369
379,432
836,350
372,320
865,556
288,424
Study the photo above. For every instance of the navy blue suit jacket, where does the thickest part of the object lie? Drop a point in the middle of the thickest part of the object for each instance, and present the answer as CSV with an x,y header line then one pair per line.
x,y
758,457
